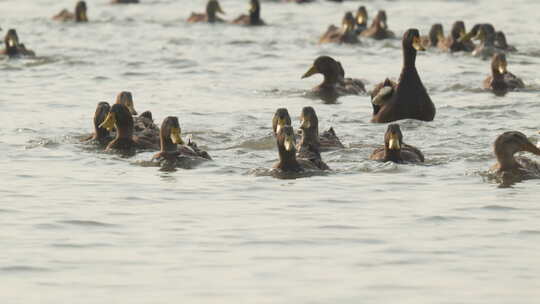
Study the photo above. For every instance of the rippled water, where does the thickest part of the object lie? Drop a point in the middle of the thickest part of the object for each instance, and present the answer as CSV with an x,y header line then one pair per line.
x,y
81,226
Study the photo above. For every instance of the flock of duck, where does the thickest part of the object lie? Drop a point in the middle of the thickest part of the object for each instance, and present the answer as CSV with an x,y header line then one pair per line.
x,y
120,128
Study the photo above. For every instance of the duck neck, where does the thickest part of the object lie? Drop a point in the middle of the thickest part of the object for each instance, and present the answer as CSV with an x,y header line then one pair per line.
x,y
255,16
100,133
330,79
166,143
211,14
124,127
287,159
409,58
310,136
506,161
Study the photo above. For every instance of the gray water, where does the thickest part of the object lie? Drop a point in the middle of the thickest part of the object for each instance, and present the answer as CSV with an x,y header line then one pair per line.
x,y
81,226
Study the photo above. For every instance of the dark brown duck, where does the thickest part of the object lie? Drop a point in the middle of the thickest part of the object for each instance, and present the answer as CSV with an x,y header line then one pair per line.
x,y
379,28
501,80
210,16
345,34
254,17
80,14
395,150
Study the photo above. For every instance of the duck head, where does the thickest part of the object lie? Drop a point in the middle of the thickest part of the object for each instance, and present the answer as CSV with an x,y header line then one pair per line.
x,y
170,134
348,23
361,16
393,140
472,33
411,43
327,66
509,143
126,98
119,118
80,12
287,149
499,64
500,40
436,34
309,125
281,119
102,111
212,9
11,41
380,20
458,31
486,34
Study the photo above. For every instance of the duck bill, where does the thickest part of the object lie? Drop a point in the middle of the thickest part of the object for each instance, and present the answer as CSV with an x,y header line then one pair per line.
x,y
417,44
466,37
280,124
531,148
393,143
361,19
12,42
131,109
219,10
312,71
306,124
110,122
289,143
502,68
383,25
176,136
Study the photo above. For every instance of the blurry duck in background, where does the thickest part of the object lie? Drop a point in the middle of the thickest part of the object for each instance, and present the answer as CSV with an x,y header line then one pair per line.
x,y
345,34
13,48
101,136
379,28
486,48
210,16
435,39
395,150
457,41
334,84
500,42
79,15
125,142
361,20
288,163
254,17
173,153
501,80
408,98
510,169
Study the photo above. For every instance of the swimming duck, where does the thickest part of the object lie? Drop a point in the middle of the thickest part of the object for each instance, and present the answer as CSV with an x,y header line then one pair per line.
x,y
210,16
435,37
119,118
13,47
78,16
254,17
511,168
345,34
501,81
124,1
143,124
361,20
500,42
408,98
486,48
287,153
309,147
379,28
395,150
334,84
101,135
171,155
328,140
457,41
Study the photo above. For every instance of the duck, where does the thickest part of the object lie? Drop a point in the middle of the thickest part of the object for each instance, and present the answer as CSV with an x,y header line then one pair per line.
x,y
486,48
14,48
309,147
457,41
78,16
408,98
334,84
124,1
286,144
125,142
510,168
361,19
210,16
500,42
143,124
345,34
435,37
328,140
378,29
101,135
394,150
501,80
254,17
171,155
